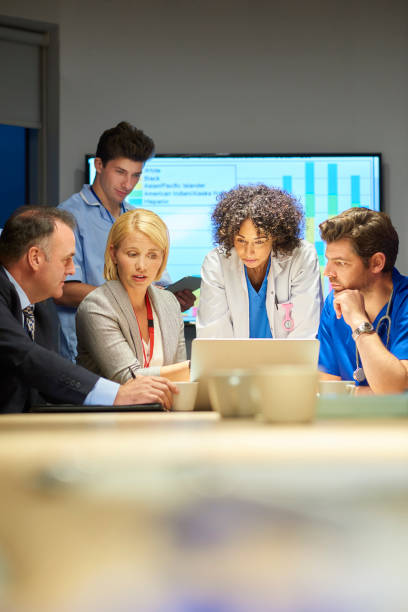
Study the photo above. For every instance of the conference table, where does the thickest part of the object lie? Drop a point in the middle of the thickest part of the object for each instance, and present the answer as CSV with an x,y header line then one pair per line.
x,y
186,511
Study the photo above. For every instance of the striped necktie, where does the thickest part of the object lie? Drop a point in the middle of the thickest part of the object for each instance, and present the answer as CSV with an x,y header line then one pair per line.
x,y
29,321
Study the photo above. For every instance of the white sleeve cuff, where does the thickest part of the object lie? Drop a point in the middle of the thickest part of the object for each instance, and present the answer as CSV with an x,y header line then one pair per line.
x,y
103,393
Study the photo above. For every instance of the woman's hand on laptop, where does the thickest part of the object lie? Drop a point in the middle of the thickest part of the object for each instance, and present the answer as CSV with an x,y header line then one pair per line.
x,y
146,390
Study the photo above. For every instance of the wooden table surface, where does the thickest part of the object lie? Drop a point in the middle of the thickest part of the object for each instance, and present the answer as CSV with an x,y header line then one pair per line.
x,y
197,435
85,497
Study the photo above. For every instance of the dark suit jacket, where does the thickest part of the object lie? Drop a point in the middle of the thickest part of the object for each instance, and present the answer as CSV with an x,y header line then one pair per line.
x,y
32,371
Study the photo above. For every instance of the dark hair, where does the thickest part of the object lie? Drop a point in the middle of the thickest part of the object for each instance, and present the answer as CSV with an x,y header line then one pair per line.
x,y
274,212
124,140
369,232
28,226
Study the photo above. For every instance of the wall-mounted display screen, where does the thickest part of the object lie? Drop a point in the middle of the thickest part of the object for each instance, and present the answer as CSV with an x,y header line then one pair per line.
x,y
183,190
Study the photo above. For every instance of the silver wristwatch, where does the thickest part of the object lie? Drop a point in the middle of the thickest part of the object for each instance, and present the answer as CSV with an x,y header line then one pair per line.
x,y
363,328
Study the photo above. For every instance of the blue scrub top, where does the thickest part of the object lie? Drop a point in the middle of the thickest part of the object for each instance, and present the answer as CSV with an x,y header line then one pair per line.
x,y
94,223
337,348
259,326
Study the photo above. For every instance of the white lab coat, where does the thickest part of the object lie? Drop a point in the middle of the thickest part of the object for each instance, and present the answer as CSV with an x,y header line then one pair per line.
x,y
223,310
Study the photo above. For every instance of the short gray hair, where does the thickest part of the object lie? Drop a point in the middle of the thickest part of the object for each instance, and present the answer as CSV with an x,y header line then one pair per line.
x,y
29,226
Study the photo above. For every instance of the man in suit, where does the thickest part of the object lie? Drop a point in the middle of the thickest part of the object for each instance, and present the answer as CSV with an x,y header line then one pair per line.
x,y
37,246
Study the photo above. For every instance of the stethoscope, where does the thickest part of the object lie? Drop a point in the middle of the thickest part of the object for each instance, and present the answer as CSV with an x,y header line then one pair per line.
x,y
358,373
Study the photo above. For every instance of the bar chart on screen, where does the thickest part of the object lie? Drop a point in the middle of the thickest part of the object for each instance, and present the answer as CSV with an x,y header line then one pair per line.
x,y
183,190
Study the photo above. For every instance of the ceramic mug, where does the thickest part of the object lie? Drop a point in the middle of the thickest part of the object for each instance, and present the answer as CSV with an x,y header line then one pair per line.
x,y
336,387
287,393
232,393
185,399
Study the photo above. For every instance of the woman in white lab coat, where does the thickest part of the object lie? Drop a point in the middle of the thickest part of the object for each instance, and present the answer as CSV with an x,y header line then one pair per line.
x,y
262,280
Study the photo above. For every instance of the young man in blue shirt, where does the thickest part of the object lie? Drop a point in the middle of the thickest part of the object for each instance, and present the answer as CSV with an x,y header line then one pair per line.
x,y
363,329
120,156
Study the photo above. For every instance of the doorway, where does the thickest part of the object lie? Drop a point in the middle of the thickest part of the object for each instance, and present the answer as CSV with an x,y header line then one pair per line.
x,y
29,114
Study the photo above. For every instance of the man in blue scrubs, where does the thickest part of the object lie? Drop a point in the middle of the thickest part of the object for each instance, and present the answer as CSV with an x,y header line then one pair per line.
x,y
120,156
363,329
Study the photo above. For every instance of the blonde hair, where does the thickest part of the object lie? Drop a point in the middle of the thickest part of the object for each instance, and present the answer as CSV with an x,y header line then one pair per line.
x,y
139,220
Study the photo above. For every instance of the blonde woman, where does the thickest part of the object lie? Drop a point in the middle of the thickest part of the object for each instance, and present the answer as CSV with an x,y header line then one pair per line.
x,y
127,326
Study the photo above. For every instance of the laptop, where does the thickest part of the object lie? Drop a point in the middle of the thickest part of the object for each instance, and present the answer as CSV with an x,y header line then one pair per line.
x,y
209,354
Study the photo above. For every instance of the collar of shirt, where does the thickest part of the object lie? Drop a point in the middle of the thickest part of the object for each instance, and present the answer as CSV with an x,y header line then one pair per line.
x,y
24,301
398,280
90,198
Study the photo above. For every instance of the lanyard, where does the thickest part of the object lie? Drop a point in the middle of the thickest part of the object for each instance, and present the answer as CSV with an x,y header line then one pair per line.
x,y
112,218
150,326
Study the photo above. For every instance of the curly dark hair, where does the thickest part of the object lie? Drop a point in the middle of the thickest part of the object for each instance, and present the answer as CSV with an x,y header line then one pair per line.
x,y
273,211
124,140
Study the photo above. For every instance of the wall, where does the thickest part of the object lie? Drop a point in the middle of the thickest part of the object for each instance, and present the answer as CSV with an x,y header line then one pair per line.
x,y
235,76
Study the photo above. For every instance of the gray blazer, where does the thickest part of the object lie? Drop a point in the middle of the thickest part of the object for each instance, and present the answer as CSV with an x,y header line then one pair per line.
x,y
109,341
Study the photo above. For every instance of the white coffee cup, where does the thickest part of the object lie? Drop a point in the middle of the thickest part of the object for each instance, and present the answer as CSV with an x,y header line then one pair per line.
x,y
185,399
231,393
336,387
287,393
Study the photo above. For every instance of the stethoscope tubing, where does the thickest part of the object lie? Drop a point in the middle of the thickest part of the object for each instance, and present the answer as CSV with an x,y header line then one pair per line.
x,y
359,371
